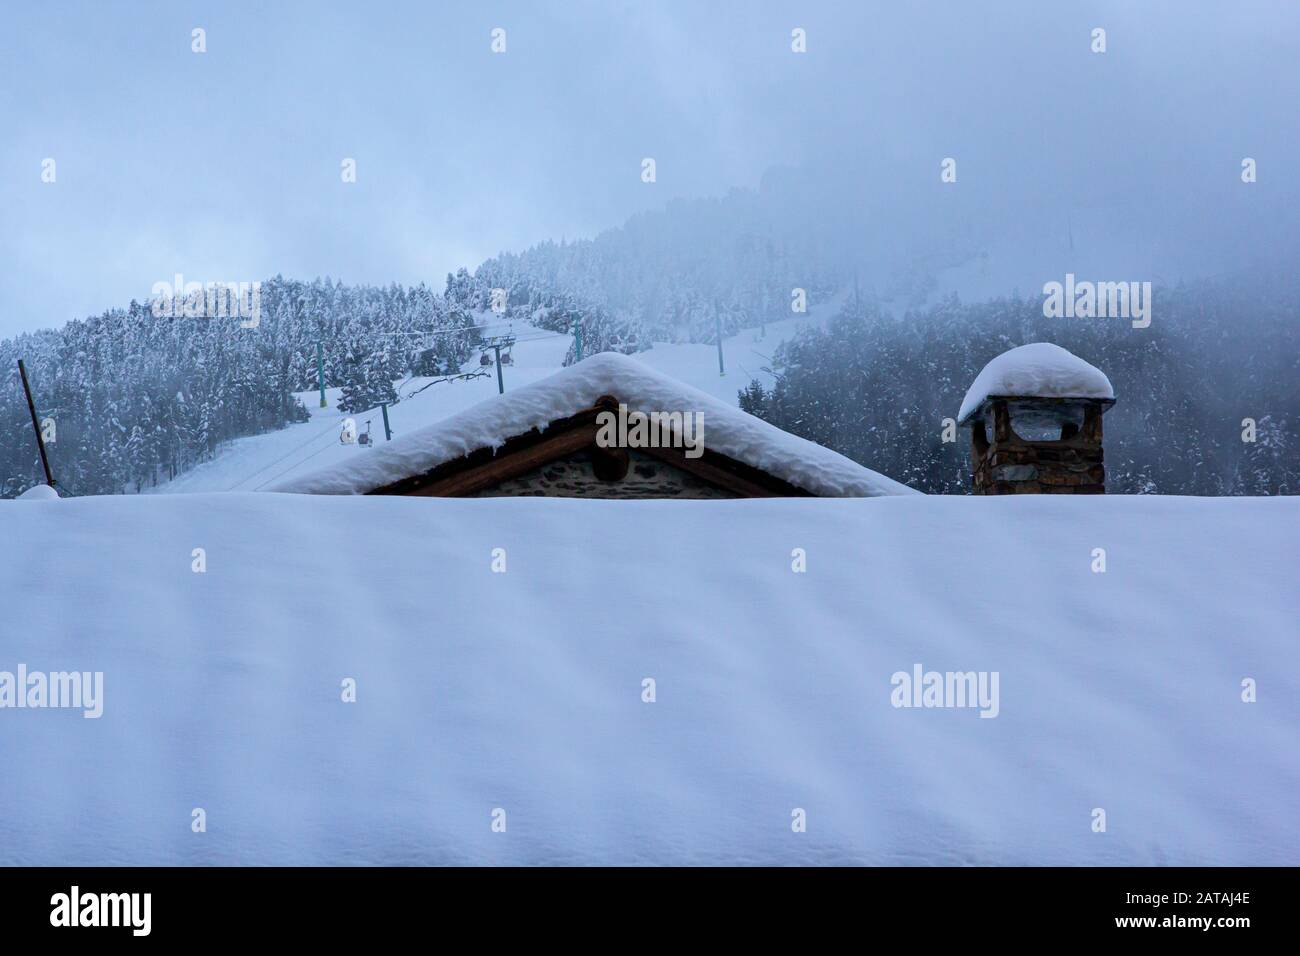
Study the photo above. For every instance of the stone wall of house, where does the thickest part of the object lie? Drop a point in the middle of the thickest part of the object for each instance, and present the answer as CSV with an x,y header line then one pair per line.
x,y
572,477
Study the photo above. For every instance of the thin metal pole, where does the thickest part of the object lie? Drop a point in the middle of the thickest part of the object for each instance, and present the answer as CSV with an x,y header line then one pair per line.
x,y
36,425
717,319
388,432
501,385
320,372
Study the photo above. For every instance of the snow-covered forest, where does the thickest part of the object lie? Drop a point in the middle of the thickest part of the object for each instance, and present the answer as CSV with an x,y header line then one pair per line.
x,y
136,399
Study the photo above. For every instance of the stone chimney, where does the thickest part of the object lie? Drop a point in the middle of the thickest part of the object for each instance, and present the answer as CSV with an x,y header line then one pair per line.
x,y
1035,419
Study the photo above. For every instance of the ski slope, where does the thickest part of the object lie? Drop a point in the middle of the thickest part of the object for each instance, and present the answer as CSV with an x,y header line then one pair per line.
x,y
524,691
260,461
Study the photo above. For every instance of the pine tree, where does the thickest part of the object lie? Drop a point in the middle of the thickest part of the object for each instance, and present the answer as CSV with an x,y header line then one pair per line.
x,y
366,381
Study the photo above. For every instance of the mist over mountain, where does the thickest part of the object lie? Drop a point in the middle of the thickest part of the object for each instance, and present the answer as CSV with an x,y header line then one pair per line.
x,y
1124,163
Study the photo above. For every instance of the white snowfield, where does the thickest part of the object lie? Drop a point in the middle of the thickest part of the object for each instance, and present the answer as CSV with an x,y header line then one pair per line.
x,y
523,691
489,424
1040,369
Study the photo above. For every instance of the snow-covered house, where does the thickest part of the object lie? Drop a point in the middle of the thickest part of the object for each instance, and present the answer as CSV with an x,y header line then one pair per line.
x,y
607,427
1035,418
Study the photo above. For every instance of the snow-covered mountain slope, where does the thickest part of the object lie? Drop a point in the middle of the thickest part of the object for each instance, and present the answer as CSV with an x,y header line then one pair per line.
x,y
251,464
523,691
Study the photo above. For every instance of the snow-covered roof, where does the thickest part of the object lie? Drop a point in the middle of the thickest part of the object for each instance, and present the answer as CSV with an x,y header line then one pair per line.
x,y
1039,370
727,430
477,690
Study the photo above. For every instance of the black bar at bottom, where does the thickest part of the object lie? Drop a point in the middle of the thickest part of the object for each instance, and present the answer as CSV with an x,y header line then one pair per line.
x,y
332,905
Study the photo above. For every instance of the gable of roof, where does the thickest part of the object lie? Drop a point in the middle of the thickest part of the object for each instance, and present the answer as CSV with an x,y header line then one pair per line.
x,y
489,467
730,435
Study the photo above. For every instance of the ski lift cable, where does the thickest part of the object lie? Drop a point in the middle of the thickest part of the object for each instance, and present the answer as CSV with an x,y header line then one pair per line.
x,y
459,331
291,468
303,461
491,330
330,432
538,338
291,451
296,448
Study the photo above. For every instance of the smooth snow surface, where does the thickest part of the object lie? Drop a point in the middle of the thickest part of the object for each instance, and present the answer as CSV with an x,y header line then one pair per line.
x,y
1042,370
523,690
490,423
39,493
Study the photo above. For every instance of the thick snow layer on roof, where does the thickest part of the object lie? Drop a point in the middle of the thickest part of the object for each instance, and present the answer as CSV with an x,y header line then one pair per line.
x,y
489,424
1040,369
523,690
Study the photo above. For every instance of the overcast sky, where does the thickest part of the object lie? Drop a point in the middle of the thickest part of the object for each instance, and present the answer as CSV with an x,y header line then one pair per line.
x,y
226,165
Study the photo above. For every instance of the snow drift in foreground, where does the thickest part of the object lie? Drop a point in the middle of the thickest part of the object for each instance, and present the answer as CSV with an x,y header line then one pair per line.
x,y
1040,369
523,690
490,423
39,493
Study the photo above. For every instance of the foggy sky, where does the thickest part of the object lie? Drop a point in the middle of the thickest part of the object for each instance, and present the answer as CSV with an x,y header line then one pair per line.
x,y
226,165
